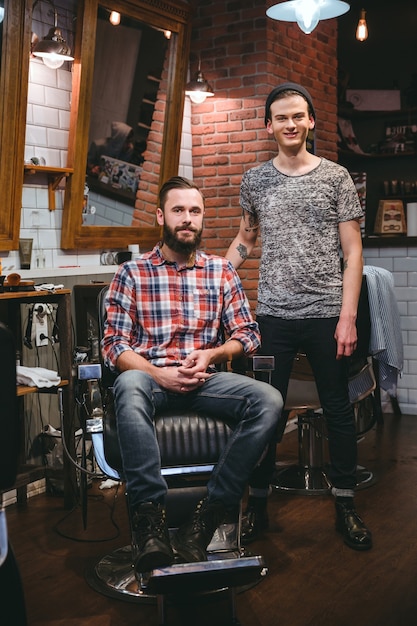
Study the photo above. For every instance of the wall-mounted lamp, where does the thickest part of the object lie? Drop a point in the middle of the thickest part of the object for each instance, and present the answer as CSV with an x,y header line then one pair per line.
x,y
114,18
52,49
198,89
307,13
362,28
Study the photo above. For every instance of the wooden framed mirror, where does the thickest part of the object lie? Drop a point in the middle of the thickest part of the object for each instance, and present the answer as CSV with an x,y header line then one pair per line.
x,y
163,18
14,68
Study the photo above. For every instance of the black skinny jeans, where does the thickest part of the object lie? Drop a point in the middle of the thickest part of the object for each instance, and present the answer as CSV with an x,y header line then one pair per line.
x,y
315,337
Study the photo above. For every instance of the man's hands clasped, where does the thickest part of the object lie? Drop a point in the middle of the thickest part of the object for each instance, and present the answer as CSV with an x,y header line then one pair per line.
x,y
189,376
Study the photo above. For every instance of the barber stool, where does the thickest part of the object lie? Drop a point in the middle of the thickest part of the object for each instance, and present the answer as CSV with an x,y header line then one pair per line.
x,y
309,475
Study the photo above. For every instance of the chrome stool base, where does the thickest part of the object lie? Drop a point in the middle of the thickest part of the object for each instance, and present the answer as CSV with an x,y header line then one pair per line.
x,y
303,481
309,476
313,481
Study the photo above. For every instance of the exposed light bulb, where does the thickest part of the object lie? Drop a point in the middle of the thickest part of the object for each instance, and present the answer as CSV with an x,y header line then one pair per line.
x,y
167,34
114,18
362,28
198,97
53,61
307,13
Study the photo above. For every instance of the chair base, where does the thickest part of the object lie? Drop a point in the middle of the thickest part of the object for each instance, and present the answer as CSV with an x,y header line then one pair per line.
x,y
224,573
313,481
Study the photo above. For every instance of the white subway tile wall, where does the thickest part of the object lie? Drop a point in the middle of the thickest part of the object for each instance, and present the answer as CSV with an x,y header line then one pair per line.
x,y
402,262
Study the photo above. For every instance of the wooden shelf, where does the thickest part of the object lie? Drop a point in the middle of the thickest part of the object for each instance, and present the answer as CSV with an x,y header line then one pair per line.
x,y
54,176
11,315
352,114
24,390
388,241
382,168
30,296
350,154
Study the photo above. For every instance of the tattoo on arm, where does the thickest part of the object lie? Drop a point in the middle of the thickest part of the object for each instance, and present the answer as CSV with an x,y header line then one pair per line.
x,y
243,252
345,264
251,221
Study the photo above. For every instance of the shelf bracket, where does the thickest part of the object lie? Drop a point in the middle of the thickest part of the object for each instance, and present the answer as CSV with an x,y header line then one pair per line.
x,y
53,182
54,176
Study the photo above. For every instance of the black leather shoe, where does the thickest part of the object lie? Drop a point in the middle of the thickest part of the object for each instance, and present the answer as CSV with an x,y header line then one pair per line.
x,y
191,539
254,521
152,537
349,524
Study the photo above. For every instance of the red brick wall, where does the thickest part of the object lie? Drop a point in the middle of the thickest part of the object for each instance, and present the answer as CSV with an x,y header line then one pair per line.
x,y
244,55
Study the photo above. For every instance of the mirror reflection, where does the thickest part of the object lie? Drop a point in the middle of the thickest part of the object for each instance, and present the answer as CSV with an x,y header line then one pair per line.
x,y
129,61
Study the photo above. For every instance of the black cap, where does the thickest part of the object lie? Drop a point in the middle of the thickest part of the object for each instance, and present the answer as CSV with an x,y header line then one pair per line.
x,y
285,87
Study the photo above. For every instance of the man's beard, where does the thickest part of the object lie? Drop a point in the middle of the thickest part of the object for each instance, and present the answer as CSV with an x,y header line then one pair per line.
x,y
171,240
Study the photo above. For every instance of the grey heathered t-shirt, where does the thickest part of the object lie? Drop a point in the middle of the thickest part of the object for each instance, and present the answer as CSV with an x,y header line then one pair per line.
x,y
300,274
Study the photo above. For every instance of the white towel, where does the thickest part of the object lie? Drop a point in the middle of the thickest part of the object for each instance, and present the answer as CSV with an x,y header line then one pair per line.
x,y
36,377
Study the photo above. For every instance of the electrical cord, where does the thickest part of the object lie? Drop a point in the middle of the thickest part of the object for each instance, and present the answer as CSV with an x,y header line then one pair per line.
x,y
27,339
102,540
89,473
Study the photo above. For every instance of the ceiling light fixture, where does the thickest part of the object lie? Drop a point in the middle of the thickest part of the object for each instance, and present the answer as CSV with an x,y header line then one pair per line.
x,y
114,18
307,13
52,49
198,89
362,28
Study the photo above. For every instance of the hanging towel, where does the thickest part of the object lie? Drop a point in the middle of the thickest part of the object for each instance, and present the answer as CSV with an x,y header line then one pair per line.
x,y
386,344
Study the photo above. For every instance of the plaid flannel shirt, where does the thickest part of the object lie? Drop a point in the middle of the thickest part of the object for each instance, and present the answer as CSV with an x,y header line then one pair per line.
x,y
163,311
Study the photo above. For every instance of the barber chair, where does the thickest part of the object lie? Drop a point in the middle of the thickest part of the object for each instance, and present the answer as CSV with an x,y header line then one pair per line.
x,y
190,445
308,476
12,601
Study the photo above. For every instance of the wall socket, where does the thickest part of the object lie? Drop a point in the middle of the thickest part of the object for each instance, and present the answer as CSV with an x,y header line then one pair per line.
x,y
40,325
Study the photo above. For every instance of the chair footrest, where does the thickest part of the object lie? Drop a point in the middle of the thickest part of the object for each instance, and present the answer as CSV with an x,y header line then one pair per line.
x,y
206,575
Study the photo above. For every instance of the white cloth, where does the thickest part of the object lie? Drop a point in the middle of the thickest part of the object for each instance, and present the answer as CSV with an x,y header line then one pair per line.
x,y
36,377
386,344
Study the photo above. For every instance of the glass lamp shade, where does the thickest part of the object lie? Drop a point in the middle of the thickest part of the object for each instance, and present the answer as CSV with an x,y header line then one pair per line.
x,y
307,13
308,16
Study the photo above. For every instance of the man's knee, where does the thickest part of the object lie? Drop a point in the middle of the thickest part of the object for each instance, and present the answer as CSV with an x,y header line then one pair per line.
x,y
131,380
272,397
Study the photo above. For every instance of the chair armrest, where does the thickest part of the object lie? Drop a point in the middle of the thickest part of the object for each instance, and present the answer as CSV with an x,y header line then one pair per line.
x,y
256,363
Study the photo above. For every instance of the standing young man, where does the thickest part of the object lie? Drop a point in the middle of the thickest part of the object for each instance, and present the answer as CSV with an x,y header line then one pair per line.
x,y
306,210
167,315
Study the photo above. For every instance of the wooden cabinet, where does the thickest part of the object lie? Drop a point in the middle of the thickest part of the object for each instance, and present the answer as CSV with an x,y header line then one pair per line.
x,y
388,141
10,314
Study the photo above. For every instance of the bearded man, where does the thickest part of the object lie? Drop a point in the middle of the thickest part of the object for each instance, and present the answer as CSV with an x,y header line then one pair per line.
x,y
167,315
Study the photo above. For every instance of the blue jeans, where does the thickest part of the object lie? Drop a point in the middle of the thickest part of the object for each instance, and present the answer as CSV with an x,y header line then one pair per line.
x,y
315,337
252,408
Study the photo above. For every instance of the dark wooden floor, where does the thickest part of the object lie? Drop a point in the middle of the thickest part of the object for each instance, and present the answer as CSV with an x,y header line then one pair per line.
x,y
313,579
